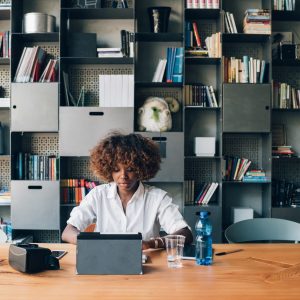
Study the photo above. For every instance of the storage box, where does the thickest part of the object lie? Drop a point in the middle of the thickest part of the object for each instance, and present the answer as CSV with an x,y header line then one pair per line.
x,y
82,44
241,213
205,146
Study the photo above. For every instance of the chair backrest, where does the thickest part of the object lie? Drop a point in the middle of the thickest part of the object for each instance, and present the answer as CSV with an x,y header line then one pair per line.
x,y
263,229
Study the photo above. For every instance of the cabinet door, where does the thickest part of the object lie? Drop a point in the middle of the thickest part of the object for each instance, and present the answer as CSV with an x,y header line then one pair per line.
x,y
80,128
34,107
246,107
171,146
35,205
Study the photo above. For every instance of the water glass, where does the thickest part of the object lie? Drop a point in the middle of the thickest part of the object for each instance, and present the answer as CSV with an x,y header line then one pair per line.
x,y
174,247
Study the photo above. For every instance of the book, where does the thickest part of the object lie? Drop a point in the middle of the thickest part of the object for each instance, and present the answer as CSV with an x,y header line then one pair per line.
x,y
210,193
196,34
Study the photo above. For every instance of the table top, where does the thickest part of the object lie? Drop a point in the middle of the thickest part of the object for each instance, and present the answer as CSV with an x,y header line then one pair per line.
x,y
259,271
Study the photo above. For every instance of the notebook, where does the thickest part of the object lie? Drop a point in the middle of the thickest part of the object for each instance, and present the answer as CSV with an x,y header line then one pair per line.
x,y
111,254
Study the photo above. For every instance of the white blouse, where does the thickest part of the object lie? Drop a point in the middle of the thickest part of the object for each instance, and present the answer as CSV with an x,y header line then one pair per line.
x,y
148,210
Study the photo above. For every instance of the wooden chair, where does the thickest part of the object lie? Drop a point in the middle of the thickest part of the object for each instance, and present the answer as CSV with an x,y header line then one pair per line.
x,y
263,229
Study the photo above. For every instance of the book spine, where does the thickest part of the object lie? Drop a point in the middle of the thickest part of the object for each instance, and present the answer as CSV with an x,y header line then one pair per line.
x,y
196,33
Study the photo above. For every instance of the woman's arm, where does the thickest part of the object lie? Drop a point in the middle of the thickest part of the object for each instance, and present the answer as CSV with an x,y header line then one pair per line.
x,y
70,233
159,242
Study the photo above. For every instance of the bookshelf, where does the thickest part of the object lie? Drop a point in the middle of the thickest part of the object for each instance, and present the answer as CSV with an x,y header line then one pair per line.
x,y
242,123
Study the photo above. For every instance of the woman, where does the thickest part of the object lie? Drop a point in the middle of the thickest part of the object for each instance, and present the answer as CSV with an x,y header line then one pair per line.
x,y
125,204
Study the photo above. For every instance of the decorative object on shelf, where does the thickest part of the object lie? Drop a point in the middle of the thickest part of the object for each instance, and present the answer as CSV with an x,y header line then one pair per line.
x,y
159,18
155,114
205,146
36,22
69,98
87,3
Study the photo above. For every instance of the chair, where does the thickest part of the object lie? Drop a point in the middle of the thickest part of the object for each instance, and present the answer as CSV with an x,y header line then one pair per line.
x,y
263,229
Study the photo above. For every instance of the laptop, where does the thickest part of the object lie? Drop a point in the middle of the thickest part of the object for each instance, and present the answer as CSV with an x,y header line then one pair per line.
x,y
110,254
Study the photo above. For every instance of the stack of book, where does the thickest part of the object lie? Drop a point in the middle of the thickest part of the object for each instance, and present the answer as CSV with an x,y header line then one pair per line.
x,y
206,192
189,192
36,167
257,21
245,70
236,168
116,90
192,36
5,44
74,190
282,151
127,43
285,96
109,52
171,68
213,45
30,66
230,25
255,176
284,4
200,95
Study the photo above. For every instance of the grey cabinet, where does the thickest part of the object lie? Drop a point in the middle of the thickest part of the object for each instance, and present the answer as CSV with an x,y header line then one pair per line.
x,y
80,128
35,205
34,107
171,145
246,107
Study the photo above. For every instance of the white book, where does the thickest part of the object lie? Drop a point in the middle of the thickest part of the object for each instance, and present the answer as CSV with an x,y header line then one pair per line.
x,y
162,70
131,90
195,3
209,4
233,23
189,3
202,3
107,90
125,90
156,73
209,193
227,14
108,49
215,4
119,90
22,70
213,95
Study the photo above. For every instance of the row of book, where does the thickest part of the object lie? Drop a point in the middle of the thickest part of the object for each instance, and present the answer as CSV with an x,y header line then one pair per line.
x,y
203,4
282,151
257,21
235,168
170,69
116,90
255,176
200,95
230,26
285,96
284,4
5,44
74,190
31,65
127,43
36,167
213,45
245,70
285,193
206,192
189,190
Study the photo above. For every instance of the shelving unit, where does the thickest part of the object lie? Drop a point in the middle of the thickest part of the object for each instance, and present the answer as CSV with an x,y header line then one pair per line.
x,y
241,124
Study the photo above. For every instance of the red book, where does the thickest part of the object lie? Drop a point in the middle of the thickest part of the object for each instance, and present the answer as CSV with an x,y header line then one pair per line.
x,y
196,33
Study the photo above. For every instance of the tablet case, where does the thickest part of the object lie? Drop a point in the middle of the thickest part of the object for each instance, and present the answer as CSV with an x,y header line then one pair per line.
x,y
110,254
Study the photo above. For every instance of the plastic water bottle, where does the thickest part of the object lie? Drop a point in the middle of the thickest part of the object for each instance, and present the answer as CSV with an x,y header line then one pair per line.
x,y
204,252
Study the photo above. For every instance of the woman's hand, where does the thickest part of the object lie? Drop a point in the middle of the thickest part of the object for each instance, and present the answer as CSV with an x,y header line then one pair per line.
x,y
146,245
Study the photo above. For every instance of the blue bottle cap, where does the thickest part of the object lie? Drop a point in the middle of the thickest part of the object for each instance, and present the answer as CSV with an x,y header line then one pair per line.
x,y
204,214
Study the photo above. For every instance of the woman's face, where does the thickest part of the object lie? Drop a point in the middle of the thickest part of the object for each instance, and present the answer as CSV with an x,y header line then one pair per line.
x,y
125,178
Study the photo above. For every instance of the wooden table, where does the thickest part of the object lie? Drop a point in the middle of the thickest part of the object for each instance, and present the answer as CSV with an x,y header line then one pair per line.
x,y
260,271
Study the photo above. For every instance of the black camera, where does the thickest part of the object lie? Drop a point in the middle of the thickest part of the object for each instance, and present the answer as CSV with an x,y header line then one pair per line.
x,y
30,258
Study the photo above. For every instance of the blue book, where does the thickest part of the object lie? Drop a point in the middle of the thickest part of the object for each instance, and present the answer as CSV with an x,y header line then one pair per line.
x,y
178,62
